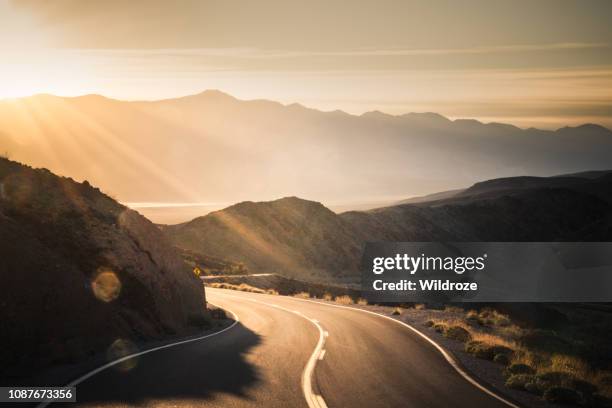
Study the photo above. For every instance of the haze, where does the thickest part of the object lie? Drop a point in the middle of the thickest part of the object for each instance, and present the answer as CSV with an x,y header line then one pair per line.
x,y
545,63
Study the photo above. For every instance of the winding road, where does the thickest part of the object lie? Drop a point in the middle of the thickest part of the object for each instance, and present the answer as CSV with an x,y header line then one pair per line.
x,y
289,352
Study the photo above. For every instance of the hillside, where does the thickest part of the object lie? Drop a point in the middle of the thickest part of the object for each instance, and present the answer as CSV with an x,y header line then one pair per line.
x,y
80,271
214,148
300,238
290,236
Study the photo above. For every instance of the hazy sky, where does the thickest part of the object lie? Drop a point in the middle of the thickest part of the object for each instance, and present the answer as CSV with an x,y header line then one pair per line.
x,y
546,63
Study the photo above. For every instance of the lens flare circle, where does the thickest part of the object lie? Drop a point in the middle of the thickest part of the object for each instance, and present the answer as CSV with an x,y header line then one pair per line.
x,y
106,286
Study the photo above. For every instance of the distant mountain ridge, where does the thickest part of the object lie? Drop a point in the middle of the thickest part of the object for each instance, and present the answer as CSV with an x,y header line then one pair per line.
x,y
213,147
303,239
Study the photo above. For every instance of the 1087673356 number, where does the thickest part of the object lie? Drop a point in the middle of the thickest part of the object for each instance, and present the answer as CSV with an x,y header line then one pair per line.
x,y
37,394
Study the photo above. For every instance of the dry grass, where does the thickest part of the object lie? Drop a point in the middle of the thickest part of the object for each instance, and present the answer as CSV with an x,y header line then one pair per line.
x,y
568,364
524,356
362,301
302,295
488,317
453,309
446,323
328,296
397,311
344,300
546,370
243,287
420,306
493,340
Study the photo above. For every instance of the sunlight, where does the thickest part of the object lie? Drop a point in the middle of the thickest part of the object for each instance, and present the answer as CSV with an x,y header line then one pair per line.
x,y
254,240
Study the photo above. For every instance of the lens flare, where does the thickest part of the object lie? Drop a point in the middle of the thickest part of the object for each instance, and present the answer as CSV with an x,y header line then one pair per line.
x,y
106,286
122,348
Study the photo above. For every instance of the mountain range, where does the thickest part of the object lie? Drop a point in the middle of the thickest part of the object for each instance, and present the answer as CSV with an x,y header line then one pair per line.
x,y
303,239
212,147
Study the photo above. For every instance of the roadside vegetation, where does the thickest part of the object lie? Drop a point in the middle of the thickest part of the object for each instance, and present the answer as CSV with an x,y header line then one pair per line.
x,y
553,365
243,287
563,361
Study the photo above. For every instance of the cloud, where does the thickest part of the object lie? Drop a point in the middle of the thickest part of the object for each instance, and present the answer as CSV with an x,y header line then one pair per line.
x,y
258,53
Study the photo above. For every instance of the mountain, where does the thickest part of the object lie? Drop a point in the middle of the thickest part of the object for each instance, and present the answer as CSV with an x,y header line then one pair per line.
x,y
212,147
80,271
291,236
300,238
431,197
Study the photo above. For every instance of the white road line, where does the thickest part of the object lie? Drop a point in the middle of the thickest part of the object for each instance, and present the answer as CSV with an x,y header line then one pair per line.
x,y
313,400
322,354
449,358
165,346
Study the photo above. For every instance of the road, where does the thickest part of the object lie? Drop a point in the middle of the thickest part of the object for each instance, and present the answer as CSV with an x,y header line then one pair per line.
x,y
288,352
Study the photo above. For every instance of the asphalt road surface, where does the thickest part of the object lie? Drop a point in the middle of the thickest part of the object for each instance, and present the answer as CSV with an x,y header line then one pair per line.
x,y
287,352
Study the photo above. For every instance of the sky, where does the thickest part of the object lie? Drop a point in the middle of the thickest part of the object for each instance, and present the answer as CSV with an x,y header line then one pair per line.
x,y
545,63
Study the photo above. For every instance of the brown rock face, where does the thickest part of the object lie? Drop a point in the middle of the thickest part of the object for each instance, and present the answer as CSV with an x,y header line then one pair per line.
x,y
79,271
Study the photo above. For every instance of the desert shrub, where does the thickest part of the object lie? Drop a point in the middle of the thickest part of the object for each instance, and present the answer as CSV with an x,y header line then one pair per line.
x,y
302,295
362,301
479,349
547,380
429,323
243,287
471,316
344,300
248,288
511,331
569,364
523,356
458,333
487,347
453,309
272,292
397,311
420,306
501,359
440,327
554,377
551,379
518,368
491,317
562,395
328,296
519,381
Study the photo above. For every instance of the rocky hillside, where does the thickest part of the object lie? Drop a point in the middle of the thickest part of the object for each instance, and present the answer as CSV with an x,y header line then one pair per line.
x,y
300,238
290,236
79,271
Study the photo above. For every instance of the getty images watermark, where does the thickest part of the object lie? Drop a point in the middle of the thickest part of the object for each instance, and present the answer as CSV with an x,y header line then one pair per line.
x,y
487,272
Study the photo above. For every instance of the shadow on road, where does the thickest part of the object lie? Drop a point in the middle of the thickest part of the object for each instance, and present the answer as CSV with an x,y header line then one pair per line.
x,y
194,371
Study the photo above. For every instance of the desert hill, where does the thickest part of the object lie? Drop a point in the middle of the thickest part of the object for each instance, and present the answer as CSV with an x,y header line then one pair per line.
x,y
79,271
289,235
300,238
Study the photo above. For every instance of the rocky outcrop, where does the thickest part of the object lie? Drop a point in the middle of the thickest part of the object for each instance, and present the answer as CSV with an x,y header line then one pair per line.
x,y
79,271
